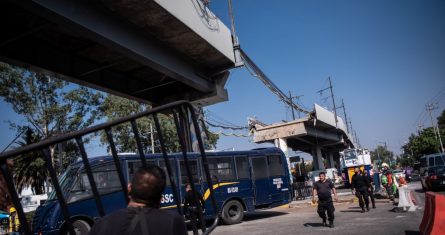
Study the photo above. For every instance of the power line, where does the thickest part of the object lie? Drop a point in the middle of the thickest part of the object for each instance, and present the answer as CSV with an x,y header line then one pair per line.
x,y
216,118
226,127
255,71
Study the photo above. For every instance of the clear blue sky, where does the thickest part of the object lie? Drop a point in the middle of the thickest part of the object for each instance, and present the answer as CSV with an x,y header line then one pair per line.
x,y
386,60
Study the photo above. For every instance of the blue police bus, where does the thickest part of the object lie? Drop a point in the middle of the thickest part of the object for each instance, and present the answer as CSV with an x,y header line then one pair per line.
x,y
243,182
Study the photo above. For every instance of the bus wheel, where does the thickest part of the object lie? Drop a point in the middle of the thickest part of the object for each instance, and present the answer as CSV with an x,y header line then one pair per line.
x,y
81,227
233,212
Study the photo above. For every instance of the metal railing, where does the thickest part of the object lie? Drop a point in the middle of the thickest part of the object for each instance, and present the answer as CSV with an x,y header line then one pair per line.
x,y
181,111
301,190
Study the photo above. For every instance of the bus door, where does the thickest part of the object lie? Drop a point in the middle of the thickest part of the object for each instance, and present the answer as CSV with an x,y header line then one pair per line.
x,y
260,180
278,179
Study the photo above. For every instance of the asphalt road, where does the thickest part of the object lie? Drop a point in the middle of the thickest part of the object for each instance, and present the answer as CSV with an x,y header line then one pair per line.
x,y
348,220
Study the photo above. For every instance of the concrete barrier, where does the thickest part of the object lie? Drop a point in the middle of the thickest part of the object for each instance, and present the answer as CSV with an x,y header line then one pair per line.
x,y
433,221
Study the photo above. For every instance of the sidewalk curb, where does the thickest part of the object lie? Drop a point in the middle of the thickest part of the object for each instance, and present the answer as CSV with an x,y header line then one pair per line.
x,y
342,198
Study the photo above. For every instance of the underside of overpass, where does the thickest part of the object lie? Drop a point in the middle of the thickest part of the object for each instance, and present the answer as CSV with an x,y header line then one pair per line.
x,y
155,51
317,134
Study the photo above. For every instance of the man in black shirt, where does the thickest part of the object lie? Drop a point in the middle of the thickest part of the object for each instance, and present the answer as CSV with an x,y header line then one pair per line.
x,y
191,206
143,216
360,186
323,189
371,189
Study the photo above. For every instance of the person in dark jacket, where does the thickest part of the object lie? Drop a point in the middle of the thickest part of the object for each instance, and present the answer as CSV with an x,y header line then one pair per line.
x,y
323,189
143,216
191,206
371,189
360,186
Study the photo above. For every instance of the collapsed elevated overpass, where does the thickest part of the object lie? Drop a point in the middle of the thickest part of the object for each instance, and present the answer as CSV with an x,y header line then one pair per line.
x,y
155,51
317,134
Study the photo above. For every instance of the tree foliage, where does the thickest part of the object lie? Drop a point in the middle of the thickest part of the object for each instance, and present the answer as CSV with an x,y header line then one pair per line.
x,y
383,154
115,107
425,142
49,106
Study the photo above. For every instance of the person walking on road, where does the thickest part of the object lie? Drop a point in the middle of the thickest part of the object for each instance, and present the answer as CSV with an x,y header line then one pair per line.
x,y
360,186
322,189
191,206
371,188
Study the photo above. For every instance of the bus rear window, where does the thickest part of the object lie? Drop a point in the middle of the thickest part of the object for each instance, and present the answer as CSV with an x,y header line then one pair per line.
x,y
275,165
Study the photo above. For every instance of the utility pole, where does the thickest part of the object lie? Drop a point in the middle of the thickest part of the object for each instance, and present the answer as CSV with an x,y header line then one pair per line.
x,y
333,100
344,112
352,131
292,106
430,108
291,98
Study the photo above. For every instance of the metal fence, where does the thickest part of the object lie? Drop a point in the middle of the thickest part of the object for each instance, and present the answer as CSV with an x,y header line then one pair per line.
x,y
182,112
302,190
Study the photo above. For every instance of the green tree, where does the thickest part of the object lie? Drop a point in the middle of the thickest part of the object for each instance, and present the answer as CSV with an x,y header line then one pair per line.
x,y
383,154
115,107
423,143
50,106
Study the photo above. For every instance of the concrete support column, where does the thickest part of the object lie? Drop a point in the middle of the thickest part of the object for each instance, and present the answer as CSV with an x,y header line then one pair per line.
x,y
318,158
282,144
331,160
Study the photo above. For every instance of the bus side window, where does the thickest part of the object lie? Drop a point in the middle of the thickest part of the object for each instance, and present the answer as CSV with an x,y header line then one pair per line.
x,y
439,161
134,166
173,168
275,165
194,171
222,168
242,167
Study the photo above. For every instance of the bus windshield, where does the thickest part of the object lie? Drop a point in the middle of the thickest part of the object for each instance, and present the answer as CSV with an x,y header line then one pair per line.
x,y
65,181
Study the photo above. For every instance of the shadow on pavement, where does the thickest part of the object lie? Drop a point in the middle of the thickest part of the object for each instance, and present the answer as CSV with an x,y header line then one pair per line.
x,y
352,209
313,225
412,232
262,215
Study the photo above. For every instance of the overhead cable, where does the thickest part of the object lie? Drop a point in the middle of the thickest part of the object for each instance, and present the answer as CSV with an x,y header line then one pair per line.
x,y
255,71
